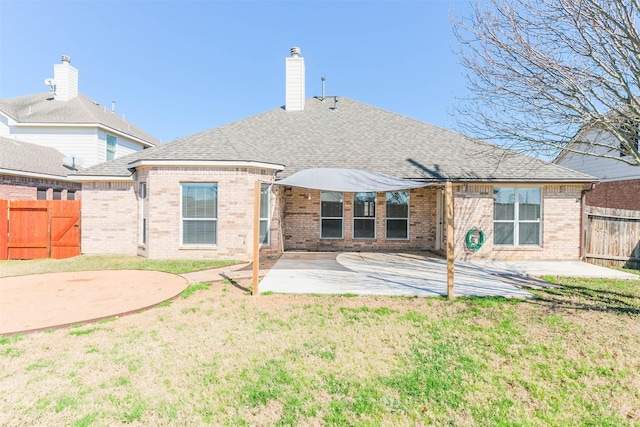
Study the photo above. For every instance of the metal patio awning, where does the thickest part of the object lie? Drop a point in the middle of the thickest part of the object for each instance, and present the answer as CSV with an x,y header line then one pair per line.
x,y
349,181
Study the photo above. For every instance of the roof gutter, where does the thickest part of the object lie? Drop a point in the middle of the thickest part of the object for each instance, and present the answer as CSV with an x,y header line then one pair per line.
x,y
103,178
219,163
508,181
27,174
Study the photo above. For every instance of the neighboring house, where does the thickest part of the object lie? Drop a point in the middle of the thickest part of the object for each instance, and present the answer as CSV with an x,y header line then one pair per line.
x,y
67,122
619,185
194,197
33,172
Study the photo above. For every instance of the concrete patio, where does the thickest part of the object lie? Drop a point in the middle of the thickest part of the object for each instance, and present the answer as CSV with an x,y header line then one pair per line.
x,y
408,274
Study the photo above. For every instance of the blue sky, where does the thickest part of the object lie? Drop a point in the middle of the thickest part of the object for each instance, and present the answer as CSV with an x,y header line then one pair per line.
x,y
175,68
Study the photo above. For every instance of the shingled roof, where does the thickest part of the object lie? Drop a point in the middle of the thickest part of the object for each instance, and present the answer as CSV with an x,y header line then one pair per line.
x,y
41,108
25,158
343,133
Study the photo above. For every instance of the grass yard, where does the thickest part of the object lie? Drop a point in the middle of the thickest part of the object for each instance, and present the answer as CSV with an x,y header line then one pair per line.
x,y
216,356
91,263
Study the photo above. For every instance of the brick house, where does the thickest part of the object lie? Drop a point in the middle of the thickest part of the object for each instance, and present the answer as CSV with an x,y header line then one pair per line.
x,y
65,123
194,197
33,172
619,185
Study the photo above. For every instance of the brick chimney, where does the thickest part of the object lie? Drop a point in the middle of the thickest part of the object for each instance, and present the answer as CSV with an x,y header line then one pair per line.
x,y
295,97
66,80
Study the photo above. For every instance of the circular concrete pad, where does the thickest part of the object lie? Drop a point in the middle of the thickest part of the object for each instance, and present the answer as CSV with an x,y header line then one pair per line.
x,y
42,301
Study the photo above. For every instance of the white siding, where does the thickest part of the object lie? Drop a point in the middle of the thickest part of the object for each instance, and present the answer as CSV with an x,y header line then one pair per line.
x,y
66,78
4,126
80,142
603,169
127,146
124,145
295,84
88,143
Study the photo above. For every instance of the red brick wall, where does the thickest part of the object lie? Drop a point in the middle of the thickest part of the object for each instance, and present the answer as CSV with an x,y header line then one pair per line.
x,y
111,219
473,208
560,224
302,223
616,194
25,188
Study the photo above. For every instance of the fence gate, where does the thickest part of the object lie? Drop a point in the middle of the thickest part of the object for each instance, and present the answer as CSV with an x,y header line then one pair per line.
x,y
32,229
612,237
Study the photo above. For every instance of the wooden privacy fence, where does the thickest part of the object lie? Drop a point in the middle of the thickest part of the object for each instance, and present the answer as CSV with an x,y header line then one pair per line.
x,y
32,229
612,237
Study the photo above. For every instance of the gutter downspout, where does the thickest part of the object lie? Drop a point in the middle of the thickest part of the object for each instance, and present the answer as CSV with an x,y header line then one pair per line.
x,y
583,221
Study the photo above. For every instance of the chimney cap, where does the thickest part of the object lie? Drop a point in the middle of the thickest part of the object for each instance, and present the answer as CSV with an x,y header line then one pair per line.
x,y
295,52
66,58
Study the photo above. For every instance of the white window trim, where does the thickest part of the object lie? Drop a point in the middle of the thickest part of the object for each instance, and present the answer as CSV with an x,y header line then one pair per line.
x,y
374,217
268,217
515,222
386,218
332,217
182,219
115,146
144,235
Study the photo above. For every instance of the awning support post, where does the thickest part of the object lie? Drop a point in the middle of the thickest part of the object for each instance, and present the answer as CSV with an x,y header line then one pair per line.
x,y
256,237
449,209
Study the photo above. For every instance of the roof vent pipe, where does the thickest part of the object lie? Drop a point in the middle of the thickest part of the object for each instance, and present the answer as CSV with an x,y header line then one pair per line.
x,y
323,79
113,106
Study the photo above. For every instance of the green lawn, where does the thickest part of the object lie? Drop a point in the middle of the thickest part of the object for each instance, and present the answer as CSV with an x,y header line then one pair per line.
x,y
88,263
570,357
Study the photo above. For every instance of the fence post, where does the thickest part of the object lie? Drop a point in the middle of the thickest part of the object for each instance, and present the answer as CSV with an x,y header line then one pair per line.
x,y
4,229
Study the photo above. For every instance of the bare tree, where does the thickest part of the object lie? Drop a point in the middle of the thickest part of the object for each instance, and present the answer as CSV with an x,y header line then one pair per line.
x,y
544,74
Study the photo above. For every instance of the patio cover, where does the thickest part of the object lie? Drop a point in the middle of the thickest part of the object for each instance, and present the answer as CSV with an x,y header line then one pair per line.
x,y
348,180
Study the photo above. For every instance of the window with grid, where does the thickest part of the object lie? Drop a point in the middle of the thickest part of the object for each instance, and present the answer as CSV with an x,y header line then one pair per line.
x,y
331,215
364,216
517,216
397,215
111,147
199,214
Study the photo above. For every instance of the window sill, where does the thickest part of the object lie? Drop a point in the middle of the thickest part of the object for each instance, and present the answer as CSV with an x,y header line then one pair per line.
x,y
519,248
197,248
